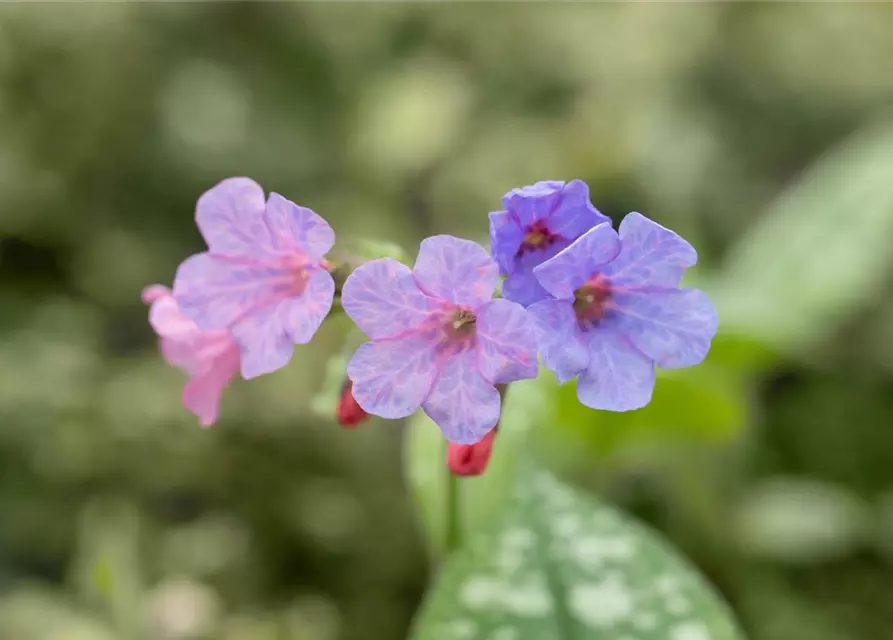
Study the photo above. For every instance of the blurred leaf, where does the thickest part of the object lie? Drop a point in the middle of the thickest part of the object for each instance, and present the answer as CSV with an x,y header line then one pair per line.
x,y
819,252
36,613
801,521
700,402
739,354
326,400
527,403
559,565
372,249
107,567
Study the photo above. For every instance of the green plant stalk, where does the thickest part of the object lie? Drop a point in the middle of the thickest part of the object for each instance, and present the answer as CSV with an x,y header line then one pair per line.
x,y
453,501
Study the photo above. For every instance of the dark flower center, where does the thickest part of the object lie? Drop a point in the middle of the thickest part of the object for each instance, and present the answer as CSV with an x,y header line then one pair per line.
x,y
590,300
462,322
537,236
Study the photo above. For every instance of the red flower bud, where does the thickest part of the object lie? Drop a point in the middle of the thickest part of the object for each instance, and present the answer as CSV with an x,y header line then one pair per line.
x,y
349,414
471,459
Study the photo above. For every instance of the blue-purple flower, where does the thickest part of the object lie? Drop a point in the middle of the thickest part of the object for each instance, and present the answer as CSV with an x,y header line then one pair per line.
x,y
263,277
539,220
618,310
438,340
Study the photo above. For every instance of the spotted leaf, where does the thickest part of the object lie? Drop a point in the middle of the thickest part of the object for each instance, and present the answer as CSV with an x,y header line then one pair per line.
x,y
557,565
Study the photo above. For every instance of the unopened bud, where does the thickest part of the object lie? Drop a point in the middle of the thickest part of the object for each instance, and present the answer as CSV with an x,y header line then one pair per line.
x,y
349,414
471,459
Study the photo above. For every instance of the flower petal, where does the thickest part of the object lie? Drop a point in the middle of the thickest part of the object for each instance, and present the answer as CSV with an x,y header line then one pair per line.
x,y
383,299
619,377
303,314
456,270
575,214
534,202
462,403
652,256
230,217
215,292
169,322
196,352
672,327
181,354
506,236
523,288
506,342
391,378
263,340
155,291
560,338
567,271
201,395
295,228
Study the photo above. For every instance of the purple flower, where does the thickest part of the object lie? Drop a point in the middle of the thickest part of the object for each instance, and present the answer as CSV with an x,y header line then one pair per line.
x,y
438,340
618,311
211,358
263,277
539,221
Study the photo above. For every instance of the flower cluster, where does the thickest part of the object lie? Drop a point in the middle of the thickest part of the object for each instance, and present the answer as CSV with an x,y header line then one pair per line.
x,y
593,302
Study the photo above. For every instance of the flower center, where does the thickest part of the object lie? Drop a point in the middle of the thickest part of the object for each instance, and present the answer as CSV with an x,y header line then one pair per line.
x,y
590,300
537,236
462,323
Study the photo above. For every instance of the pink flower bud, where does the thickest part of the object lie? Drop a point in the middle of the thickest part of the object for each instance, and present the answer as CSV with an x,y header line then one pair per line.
x,y
349,414
471,459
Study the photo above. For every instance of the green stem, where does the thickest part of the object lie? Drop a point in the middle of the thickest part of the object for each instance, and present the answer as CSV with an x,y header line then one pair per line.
x,y
453,528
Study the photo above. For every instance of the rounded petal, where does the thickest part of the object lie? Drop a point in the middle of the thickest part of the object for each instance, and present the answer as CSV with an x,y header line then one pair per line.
x,y
296,228
182,354
672,327
573,266
575,214
391,378
201,395
455,270
383,299
216,292
506,342
523,288
651,255
230,217
197,352
506,236
303,314
169,322
619,377
462,403
560,338
155,291
263,340
534,202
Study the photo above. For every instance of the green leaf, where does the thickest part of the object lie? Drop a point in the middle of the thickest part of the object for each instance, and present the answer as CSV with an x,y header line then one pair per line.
x,y
821,250
557,565
326,400
372,249
527,403
700,403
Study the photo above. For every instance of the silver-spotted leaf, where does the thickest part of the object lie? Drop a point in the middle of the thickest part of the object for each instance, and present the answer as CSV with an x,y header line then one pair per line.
x,y
557,565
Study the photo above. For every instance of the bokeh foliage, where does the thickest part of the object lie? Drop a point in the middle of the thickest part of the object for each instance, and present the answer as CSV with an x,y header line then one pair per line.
x,y
771,465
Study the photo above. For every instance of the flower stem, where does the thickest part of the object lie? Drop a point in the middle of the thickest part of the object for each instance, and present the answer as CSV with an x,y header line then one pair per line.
x,y
453,529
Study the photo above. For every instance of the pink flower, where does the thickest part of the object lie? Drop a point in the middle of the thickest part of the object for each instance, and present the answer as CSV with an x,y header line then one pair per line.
x,y
211,358
263,277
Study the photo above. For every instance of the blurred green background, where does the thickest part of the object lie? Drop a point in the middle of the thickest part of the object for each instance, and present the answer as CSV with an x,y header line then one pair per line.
x,y
757,131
